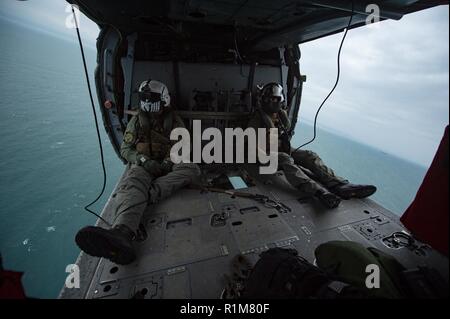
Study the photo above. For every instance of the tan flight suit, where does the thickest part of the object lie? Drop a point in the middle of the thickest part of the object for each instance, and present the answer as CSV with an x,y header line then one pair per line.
x,y
304,158
138,188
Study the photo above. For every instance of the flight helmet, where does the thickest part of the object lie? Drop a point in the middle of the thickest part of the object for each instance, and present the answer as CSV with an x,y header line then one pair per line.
x,y
153,96
272,97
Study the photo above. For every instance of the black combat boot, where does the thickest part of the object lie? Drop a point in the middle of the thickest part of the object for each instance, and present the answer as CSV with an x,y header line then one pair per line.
x,y
328,199
347,191
114,244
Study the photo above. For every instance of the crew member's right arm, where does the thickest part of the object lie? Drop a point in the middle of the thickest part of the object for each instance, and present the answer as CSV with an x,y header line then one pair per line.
x,y
127,148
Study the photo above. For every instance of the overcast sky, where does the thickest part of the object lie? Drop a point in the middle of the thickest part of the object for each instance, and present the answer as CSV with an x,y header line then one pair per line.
x,y
393,93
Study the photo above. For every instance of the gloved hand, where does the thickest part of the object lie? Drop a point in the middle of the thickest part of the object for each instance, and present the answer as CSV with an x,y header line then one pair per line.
x,y
151,166
166,166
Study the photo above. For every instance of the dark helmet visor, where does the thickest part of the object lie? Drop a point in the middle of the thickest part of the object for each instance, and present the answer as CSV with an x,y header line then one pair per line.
x,y
149,96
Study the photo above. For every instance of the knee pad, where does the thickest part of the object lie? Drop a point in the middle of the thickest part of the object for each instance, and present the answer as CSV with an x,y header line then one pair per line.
x,y
312,154
284,158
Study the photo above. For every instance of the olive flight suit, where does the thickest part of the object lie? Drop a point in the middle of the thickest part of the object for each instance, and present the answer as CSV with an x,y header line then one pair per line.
x,y
304,158
149,137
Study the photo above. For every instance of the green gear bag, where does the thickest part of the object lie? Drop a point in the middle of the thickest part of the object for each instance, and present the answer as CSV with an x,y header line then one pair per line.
x,y
348,261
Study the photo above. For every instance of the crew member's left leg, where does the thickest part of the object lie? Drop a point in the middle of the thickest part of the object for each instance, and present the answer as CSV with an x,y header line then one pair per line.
x,y
181,175
314,163
129,202
328,178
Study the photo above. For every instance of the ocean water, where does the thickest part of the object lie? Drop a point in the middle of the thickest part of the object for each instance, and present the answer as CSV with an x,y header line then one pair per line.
x,y
397,179
50,165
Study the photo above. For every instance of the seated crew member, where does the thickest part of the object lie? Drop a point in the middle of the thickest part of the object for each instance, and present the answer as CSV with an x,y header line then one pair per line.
x,y
332,187
150,177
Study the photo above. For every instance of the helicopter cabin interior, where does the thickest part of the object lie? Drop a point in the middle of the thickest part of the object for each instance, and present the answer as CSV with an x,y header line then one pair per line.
x,y
212,55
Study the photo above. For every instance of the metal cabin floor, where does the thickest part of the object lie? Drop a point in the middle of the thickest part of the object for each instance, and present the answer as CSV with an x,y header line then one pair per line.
x,y
185,256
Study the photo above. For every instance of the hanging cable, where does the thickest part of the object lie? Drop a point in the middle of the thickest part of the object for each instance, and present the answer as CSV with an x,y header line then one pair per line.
x,y
96,122
337,78
236,47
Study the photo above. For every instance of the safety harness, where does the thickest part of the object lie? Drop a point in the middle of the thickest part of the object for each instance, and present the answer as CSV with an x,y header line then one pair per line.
x,y
153,138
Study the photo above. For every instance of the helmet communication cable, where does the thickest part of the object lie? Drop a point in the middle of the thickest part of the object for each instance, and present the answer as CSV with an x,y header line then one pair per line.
x,y
96,123
337,78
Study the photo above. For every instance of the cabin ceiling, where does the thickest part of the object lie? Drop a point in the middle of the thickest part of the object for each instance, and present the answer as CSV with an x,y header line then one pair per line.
x,y
258,24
